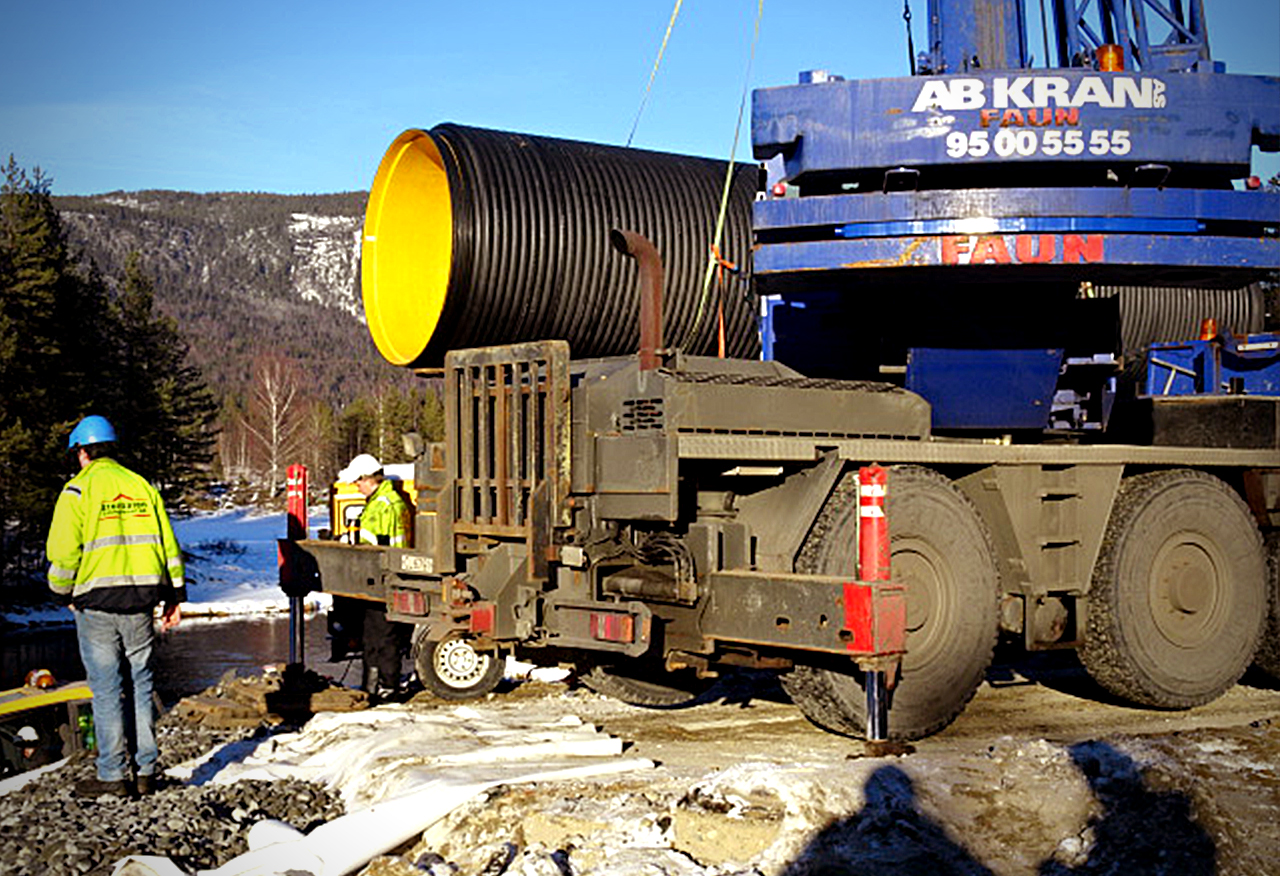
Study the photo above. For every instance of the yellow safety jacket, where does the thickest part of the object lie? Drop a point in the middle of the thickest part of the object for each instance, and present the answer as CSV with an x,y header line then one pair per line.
x,y
111,546
385,517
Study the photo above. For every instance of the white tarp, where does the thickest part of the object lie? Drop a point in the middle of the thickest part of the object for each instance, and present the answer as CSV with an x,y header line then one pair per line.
x,y
398,770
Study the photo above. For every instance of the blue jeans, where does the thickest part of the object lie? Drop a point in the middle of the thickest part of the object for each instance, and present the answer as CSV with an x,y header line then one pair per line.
x,y
104,639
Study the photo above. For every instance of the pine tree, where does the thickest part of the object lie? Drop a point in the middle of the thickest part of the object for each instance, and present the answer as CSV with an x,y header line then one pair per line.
x,y
34,403
168,412
430,406
68,348
358,428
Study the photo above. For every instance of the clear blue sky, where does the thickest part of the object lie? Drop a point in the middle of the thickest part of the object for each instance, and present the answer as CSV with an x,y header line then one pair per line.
x,y
304,97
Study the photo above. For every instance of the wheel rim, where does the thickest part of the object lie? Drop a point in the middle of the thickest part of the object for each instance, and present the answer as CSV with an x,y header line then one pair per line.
x,y
926,575
1188,592
459,665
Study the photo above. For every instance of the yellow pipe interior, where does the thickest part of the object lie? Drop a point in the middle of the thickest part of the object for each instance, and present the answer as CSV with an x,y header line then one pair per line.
x,y
407,251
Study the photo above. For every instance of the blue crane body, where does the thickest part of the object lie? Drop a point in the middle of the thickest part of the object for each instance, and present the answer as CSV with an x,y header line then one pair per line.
x,y
1021,191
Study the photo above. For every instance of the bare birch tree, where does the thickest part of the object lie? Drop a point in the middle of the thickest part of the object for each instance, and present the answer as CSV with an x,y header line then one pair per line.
x,y
277,418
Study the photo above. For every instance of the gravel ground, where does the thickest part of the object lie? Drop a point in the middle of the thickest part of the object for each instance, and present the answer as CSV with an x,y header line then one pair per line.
x,y
46,829
1035,780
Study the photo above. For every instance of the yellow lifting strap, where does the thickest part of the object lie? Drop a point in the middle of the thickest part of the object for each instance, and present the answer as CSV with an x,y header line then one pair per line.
x,y
714,259
654,72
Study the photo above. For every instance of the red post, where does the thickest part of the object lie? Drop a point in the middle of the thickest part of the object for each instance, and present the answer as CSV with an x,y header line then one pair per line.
x,y
873,528
296,525
296,501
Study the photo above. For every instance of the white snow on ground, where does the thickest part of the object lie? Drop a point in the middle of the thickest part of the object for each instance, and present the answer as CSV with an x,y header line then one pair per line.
x,y
231,569
233,563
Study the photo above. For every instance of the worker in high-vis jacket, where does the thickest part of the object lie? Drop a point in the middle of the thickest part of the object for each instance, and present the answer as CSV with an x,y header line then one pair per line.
x,y
385,518
384,521
113,559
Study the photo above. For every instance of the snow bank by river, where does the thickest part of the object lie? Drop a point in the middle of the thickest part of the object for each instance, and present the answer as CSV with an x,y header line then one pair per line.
x,y
231,568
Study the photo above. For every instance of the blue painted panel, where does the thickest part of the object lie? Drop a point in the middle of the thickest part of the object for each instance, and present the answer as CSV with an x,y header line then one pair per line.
x,y
1050,116
1249,364
989,33
985,389
1024,225
1181,369
1256,370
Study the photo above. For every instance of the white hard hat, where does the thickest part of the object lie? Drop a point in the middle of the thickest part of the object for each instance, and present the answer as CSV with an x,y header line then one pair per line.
x,y
362,466
28,734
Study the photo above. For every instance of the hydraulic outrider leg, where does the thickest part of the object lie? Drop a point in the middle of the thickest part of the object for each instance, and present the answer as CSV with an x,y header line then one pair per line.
x,y
873,565
877,706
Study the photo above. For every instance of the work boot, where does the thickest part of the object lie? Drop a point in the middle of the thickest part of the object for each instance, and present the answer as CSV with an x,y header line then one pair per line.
x,y
147,785
94,788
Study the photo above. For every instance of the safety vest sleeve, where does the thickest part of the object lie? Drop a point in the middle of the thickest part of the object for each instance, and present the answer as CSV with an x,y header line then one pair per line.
x,y
385,517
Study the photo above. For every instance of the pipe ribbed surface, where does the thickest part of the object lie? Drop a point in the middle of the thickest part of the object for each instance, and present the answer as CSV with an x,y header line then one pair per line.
x,y
1156,314
476,237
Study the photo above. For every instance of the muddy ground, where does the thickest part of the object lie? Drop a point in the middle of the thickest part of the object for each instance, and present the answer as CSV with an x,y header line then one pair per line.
x,y
1040,775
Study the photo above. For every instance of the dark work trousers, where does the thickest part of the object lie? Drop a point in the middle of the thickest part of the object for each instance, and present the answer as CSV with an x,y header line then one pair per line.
x,y
383,644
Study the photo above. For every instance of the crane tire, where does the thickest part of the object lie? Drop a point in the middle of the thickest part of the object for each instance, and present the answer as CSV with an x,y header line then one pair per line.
x,y
453,669
941,550
620,683
1179,594
1267,659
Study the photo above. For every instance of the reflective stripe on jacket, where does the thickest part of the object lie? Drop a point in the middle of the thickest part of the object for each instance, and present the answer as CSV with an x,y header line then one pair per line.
x,y
111,546
385,517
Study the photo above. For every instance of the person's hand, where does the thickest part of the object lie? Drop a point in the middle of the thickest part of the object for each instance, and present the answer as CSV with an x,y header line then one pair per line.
x,y
170,616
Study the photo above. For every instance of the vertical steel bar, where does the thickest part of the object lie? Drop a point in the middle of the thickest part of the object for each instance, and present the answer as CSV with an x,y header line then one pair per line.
x,y
877,706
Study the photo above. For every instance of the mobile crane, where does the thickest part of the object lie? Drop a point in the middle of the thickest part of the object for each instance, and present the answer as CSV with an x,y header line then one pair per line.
x,y
987,277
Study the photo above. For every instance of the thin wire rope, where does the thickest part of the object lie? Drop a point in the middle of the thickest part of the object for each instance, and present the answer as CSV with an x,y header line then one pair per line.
x,y
653,74
911,46
1044,33
712,257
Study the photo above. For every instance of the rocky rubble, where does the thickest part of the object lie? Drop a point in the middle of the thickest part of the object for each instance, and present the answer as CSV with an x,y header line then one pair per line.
x,y
743,786
46,829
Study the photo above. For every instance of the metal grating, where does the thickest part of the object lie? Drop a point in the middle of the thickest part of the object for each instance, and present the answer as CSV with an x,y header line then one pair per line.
x,y
789,382
642,415
507,415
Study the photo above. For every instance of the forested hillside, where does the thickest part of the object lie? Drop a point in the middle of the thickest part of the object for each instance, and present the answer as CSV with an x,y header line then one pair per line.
x,y
72,344
265,289
245,274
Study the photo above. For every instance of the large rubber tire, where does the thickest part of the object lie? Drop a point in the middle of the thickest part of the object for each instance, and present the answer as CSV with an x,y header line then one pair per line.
x,y
941,550
1268,657
452,669
663,690
1178,598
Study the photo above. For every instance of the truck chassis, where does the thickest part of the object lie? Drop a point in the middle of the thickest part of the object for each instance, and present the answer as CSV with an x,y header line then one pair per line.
x,y
656,525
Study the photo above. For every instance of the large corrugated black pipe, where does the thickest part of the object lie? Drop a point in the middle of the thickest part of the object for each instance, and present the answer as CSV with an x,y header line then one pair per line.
x,y
1156,314
476,237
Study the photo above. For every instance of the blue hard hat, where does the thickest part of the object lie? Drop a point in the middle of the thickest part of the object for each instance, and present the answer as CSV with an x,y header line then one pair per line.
x,y
91,430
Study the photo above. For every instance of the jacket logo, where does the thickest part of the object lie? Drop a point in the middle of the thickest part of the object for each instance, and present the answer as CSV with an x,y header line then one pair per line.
x,y
123,506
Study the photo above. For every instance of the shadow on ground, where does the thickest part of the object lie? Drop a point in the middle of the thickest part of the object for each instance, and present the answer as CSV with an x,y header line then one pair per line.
x,y
1139,831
